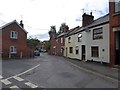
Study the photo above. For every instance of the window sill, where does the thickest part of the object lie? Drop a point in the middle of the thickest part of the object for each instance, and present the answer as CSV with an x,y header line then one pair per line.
x,y
116,13
13,52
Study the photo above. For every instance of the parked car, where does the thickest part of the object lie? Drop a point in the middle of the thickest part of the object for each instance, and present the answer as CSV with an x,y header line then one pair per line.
x,y
36,53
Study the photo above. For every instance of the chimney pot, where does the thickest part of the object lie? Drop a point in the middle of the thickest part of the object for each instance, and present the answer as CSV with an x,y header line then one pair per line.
x,y
21,24
87,19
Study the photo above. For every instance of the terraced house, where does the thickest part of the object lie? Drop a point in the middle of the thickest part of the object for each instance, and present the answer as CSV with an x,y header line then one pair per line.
x,y
91,41
13,38
114,8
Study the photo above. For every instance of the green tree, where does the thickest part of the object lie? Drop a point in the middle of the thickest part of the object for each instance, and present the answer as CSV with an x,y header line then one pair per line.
x,y
33,42
63,28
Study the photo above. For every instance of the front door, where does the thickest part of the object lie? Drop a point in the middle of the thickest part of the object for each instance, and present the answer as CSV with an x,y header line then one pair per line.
x,y
117,39
66,51
83,52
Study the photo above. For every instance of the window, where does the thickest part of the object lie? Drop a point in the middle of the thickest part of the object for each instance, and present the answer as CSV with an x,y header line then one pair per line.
x,y
71,49
69,39
61,40
98,33
117,6
95,51
77,49
13,49
14,35
79,37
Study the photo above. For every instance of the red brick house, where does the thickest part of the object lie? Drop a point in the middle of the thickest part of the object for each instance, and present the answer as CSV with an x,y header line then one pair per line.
x,y
52,35
13,41
57,41
114,8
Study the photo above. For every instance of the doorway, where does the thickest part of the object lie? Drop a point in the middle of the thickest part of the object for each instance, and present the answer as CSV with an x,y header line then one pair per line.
x,y
83,52
117,47
66,51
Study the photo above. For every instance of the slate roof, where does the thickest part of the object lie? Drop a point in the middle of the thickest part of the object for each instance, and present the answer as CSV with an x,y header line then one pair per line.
x,y
97,22
3,25
101,20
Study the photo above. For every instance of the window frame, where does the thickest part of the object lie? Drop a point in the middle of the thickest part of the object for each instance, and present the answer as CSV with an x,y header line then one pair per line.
x,y
13,49
117,7
14,35
95,52
79,37
69,39
77,50
98,33
70,49
61,40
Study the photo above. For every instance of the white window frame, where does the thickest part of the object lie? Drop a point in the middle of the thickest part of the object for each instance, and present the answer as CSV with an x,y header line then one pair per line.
x,y
79,37
14,35
61,40
117,6
13,49
98,33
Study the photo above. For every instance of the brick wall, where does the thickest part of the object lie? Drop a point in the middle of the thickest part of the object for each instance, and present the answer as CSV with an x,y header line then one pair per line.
x,y
20,43
114,22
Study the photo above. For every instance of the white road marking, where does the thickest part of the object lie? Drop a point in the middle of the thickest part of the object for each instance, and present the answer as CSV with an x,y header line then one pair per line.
x,y
24,72
18,78
14,86
1,77
5,81
31,85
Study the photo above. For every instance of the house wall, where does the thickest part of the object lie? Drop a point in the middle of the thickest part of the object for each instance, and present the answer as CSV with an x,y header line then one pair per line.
x,y
52,45
82,42
20,43
114,22
0,43
71,44
101,43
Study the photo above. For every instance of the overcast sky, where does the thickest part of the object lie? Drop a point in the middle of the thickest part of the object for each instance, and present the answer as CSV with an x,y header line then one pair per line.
x,y
39,15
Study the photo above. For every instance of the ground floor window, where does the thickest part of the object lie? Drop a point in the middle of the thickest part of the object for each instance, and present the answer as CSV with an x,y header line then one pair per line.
x,y
77,50
95,51
71,49
13,49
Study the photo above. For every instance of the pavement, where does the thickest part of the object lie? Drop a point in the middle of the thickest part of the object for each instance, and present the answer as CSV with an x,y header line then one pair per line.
x,y
99,69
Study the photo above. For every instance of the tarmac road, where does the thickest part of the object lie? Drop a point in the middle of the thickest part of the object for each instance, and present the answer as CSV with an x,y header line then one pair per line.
x,y
49,71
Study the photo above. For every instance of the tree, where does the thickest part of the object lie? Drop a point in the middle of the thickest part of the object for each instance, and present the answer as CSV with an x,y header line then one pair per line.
x,y
33,42
52,29
63,28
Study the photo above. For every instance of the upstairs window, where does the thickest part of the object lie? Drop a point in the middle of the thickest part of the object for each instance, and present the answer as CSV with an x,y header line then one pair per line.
x,y
13,49
61,40
69,40
98,33
117,6
14,35
80,37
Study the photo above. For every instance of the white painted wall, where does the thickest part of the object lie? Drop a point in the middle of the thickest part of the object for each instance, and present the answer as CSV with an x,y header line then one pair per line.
x,y
87,40
83,41
71,44
102,43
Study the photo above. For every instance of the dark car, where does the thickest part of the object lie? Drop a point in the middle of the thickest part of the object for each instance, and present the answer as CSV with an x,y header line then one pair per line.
x,y
36,53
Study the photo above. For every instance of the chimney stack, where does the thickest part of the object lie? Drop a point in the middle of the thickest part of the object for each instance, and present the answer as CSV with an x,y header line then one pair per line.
x,y
87,19
21,24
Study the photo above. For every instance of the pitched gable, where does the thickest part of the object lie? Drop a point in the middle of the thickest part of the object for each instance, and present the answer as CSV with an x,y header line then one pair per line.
x,y
5,25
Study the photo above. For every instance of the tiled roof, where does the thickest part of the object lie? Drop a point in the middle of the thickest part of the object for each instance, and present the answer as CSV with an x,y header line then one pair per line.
x,y
3,25
99,21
